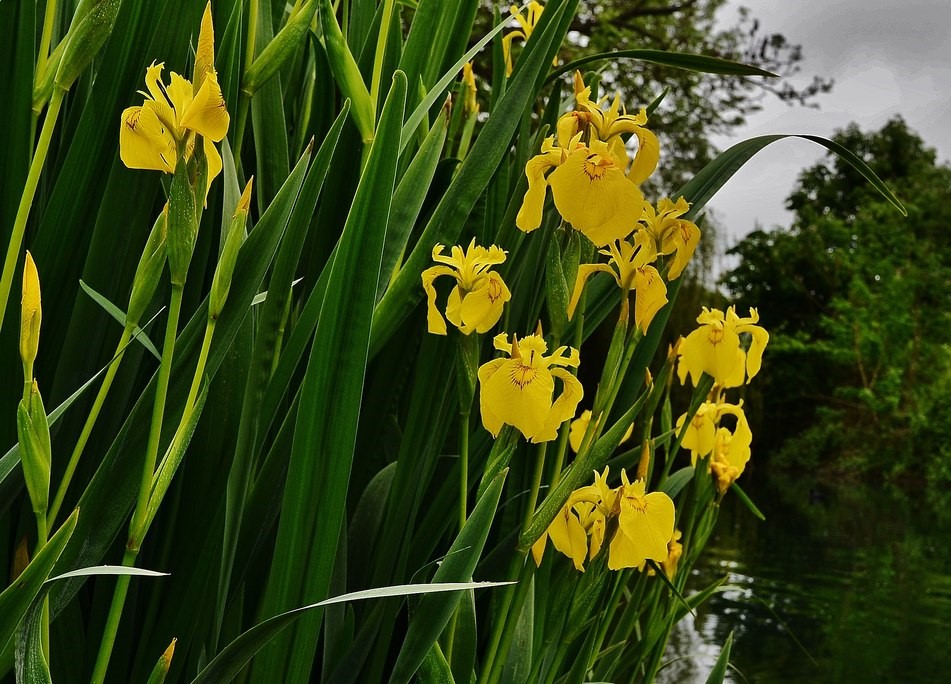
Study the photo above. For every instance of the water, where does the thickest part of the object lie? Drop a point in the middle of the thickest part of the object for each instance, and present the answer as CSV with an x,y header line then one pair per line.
x,y
860,576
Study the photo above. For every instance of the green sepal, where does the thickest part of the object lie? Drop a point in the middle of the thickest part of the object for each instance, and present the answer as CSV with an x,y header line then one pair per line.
x,y
148,273
182,225
33,431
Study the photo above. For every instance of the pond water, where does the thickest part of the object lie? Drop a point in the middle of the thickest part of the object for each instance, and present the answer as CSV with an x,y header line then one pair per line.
x,y
859,576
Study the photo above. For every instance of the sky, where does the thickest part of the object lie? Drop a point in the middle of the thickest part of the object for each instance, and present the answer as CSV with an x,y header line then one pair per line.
x,y
886,57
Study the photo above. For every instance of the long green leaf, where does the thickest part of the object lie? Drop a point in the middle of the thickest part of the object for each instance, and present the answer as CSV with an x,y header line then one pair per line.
x,y
434,612
120,317
16,599
331,394
723,661
680,60
232,659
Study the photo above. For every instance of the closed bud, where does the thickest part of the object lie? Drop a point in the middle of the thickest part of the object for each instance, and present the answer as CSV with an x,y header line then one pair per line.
x,y
33,431
162,666
31,313
221,284
285,44
346,72
92,23
182,225
149,271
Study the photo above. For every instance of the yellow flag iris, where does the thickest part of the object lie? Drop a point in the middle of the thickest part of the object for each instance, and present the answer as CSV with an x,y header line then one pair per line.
x,y
154,135
645,526
476,302
672,234
526,26
630,265
715,348
519,391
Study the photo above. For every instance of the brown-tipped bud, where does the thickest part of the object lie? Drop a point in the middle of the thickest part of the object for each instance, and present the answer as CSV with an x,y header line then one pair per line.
x,y
205,52
31,313
221,284
92,23
182,225
33,432
644,465
149,271
161,668
21,558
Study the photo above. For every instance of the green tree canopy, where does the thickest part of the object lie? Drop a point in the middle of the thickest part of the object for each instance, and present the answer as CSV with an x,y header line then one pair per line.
x,y
858,304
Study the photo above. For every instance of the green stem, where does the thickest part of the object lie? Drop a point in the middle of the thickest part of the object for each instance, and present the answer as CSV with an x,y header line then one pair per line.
x,y
463,466
145,488
536,485
26,199
45,40
511,621
90,424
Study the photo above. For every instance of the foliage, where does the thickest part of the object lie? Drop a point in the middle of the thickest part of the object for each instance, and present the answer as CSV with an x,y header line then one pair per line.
x,y
281,419
857,300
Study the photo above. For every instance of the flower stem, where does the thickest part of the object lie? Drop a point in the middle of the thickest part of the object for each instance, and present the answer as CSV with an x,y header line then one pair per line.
x,y
141,507
45,40
463,465
26,199
89,425
536,484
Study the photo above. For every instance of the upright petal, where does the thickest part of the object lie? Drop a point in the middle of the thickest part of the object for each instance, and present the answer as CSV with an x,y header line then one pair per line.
x,y
205,52
207,114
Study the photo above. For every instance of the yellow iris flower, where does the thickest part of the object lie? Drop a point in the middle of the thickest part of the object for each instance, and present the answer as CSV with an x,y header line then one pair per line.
x,y
518,391
731,452
701,435
608,126
714,348
154,135
589,187
475,303
633,273
526,26
672,234
645,525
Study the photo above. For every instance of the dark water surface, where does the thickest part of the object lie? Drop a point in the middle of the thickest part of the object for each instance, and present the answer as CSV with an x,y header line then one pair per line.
x,y
861,576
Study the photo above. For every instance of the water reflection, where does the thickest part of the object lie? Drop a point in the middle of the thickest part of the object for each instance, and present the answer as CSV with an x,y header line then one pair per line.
x,y
861,576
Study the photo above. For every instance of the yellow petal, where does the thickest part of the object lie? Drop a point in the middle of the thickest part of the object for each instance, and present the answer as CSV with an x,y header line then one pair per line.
x,y
578,427
144,143
648,523
205,52
454,310
568,536
31,312
538,549
207,114
563,408
181,92
520,395
713,351
754,357
436,324
214,164
648,154
650,298
490,420
482,308
593,194
687,237
584,272
530,214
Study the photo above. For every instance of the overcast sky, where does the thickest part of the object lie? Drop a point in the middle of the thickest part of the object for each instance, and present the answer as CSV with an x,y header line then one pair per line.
x,y
886,57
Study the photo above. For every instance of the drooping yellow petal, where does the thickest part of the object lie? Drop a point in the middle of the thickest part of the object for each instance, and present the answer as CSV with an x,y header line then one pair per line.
x,y
490,420
435,322
592,193
521,392
713,350
754,356
482,308
207,114
645,526
144,142
568,536
584,272
563,408
530,213
650,298
647,156
701,433
214,164
578,427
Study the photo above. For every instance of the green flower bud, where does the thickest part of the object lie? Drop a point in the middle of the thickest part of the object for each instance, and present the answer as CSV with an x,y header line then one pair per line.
x,y
346,72
182,224
149,271
221,284
556,289
92,23
284,45
33,432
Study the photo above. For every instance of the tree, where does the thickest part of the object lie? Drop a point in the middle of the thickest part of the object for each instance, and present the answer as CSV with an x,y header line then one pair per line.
x,y
857,299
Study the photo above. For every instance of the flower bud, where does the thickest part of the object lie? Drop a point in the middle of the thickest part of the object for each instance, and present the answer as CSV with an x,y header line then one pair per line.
x,y
182,225
346,72
33,432
92,23
149,271
221,284
31,313
284,45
